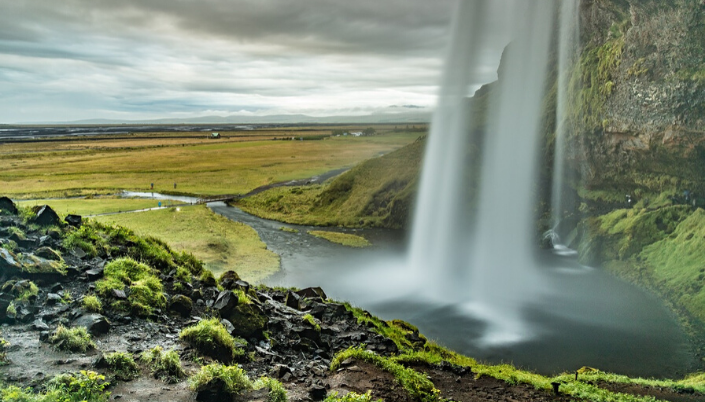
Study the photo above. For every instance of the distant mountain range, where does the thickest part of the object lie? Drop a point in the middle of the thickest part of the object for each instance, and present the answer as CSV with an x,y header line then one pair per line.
x,y
411,117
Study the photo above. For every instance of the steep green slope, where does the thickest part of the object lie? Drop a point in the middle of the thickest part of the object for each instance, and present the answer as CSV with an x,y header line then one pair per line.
x,y
378,192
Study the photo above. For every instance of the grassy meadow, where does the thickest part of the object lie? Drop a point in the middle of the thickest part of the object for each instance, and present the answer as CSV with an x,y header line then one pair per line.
x,y
36,170
221,244
95,206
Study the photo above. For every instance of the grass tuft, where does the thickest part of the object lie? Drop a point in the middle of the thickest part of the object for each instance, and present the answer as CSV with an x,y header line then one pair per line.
x,y
277,393
211,338
351,397
123,366
92,304
72,339
164,365
234,378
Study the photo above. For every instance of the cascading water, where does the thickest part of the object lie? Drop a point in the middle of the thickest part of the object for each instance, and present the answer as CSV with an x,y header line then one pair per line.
x,y
568,43
488,266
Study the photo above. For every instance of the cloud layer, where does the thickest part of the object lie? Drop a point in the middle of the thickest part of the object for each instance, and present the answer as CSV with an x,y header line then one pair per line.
x,y
137,59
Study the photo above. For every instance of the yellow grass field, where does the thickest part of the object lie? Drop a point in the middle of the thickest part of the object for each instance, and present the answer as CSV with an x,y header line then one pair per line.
x,y
221,244
206,168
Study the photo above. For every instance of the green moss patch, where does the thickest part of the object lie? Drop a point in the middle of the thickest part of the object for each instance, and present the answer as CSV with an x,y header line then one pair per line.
x,y
145,288
164,365
233,378
211,338
122,365
72,339
341,238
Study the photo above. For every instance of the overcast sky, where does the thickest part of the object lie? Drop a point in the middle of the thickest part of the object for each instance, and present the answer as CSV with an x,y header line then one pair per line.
x,y
63,60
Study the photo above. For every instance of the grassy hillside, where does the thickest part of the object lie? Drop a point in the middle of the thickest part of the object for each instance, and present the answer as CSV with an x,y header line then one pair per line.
x,y
221,244
378,192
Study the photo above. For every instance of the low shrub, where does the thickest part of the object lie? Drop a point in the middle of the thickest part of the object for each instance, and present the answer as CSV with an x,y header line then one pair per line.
x,y
211,338
164,365
92,304
122,365
234,378
85,386
72,339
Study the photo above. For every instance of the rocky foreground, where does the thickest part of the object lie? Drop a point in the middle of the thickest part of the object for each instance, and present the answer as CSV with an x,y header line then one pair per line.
x,y
97,313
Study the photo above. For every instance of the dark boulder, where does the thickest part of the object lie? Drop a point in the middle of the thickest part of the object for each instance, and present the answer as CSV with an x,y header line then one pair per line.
x,y
8,261
96,324
94,274
317,392
47,217
74,220
213,391
39,325
225,302
53,298
228,280
293,300
181,305
48,254
7,206
249,321
312,293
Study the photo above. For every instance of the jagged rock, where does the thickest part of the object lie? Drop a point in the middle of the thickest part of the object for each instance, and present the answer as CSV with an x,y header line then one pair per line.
x,y
119,294
40,325
225,302
214,391
228,280
94,323
74,220
53,298
54,234
45,241
249,321
47,217
293,300
317,392
8,261
181,305
48,254
94,274
312,293
78,253
7,206
280,371
228,325
100,362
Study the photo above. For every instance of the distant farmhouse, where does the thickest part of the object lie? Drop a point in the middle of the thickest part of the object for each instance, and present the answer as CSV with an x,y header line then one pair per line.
x,y
215,136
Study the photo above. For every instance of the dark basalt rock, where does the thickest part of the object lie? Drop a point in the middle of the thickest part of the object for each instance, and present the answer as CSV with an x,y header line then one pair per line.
x,y
312,293
48,254
293,300
74,220
225,303
181,305
96,324
47,217
228,280
94,274
213,391
7,206
249,321
317,392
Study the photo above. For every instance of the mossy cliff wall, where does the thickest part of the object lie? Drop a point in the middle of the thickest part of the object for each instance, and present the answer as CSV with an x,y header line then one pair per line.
x,y
638,98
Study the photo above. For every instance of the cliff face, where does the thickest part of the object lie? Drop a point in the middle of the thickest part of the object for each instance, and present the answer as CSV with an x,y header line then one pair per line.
x,y
638,97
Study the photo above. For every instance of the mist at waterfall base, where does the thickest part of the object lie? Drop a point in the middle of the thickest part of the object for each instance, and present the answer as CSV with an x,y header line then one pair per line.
x,y
471,276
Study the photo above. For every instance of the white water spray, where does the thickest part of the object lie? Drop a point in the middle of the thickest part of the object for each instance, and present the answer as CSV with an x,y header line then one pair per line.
x,y
491,271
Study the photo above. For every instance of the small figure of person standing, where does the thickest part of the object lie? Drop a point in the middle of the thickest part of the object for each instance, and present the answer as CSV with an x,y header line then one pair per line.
x,y
174,185
152,186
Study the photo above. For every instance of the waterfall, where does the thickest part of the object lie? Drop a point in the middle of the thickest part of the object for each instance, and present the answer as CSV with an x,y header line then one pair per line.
x,y
487,265
568,43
